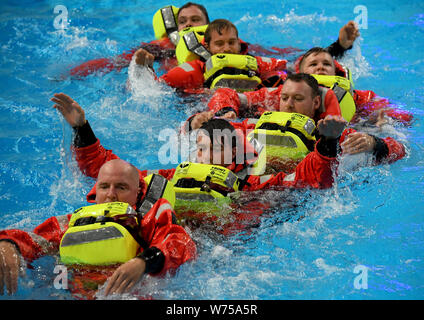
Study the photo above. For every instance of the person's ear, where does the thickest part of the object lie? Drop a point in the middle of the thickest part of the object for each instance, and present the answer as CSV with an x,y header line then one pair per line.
x,y
316,102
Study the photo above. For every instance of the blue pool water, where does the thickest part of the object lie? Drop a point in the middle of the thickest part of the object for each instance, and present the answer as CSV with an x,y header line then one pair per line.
x,y
308,243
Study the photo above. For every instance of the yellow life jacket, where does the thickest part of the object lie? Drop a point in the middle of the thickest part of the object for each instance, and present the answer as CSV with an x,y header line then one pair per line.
x,y
343,89
190,46
286,136
107,233
165,23
203,189
235,71
204,182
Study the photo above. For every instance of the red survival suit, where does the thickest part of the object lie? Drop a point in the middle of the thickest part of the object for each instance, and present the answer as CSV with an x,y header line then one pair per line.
x,y
252,104
163,50
190,75
166,240
314,171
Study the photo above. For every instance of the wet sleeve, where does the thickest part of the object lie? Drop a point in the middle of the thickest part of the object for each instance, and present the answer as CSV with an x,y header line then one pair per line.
x,y
169,245
224,100
336,50
188,75
84,136
43,240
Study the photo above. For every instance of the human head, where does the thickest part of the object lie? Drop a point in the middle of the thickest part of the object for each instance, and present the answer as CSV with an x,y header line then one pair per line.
x,y
192,15
221,36
300,94
117,180
317,61
216,143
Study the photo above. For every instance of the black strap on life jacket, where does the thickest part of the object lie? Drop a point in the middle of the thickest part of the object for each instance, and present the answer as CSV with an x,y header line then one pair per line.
x,y
206,185
230,71
310,144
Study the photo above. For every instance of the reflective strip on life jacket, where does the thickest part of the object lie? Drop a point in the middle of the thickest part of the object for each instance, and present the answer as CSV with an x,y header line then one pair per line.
x,y
87,236
155,191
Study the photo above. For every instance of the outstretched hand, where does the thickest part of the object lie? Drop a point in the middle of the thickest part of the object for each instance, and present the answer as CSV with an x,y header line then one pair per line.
x,y
71,111
331,127
348,34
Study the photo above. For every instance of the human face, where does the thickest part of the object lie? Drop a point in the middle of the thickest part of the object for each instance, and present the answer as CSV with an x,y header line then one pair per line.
x,y
117,182
318,63
190,17
226,42
297,97
209,153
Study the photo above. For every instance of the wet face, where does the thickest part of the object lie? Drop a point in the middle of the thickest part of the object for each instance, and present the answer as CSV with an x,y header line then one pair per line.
x,y
117,181
318,63
297,97
217,153
226,42
190,17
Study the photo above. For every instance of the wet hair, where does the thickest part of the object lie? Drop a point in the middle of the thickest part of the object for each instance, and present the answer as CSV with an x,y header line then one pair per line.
x,y
314,50
218,25
199,6
219,128
308,79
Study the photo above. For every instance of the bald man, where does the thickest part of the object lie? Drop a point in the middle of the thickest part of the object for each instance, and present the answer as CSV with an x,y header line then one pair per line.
x,y
168,244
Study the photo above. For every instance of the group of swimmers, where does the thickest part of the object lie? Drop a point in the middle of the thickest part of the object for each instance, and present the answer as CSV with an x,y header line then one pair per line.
x,y
294,128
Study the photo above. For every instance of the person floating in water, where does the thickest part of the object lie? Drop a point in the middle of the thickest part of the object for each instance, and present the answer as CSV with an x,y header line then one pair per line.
x,y
300,94
159,245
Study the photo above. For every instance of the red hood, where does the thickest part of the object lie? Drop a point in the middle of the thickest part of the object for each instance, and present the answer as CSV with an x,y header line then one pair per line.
x,y
249,155
340,71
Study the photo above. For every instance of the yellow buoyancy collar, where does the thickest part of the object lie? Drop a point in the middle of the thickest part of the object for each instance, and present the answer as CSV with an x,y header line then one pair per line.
x,y
285,135
205,182
165,23
343,89
107,233
100,234
235,71
190,46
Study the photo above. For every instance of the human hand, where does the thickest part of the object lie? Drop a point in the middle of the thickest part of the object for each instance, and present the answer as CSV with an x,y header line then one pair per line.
x,y
144,58
348,34
358,142
230,115
70,110
331,126
199,118
9,267
126,276
379,117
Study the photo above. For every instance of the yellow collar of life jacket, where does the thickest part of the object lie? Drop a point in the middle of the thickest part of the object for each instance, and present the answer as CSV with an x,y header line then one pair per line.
x,y
235,71
190,45
95,235
206,182
343,89
284,136
107,233
165,24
